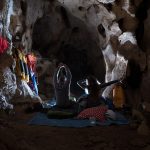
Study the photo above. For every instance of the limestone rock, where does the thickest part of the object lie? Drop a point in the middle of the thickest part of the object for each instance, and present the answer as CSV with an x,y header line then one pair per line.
x,y
6,61
24,93
138,115
8,87
143,129
146,106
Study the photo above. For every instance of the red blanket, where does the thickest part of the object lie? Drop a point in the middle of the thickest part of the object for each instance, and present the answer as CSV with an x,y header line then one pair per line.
x,y
96,112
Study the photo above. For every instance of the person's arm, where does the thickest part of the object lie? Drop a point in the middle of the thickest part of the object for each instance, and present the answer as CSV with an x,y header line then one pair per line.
x,y
56,74
108,83
68,73
82,84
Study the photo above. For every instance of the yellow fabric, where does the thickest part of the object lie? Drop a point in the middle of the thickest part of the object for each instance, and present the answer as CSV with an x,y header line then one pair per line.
x,y
118,96
20,61
26,78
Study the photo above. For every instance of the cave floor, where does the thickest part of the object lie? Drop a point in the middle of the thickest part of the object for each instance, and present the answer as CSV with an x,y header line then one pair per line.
x,y
15,134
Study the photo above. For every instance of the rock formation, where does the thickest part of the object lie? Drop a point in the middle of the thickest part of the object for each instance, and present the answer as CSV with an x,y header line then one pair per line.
x,y
104,38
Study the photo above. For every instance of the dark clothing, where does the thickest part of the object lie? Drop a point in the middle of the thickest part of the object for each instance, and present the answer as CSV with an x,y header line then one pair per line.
x,y
86,101
89,102
62,89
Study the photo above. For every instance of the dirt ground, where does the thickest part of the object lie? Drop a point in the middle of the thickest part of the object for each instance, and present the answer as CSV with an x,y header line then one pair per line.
x,y
15,134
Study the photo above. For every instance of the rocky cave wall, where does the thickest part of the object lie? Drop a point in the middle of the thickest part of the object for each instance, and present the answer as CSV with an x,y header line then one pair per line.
x,y
91,36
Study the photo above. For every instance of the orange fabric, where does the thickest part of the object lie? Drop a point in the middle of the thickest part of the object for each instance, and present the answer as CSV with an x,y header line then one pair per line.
x,y
118,96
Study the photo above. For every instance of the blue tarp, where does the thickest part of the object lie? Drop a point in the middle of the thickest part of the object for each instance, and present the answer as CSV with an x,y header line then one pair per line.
x,y
42,119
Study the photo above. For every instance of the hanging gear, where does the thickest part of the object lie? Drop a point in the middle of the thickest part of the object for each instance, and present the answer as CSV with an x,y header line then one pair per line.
x,y
25,68
31,62
21,65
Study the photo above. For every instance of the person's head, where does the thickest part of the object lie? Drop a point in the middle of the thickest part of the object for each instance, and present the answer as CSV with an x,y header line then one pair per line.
x,y
62,79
